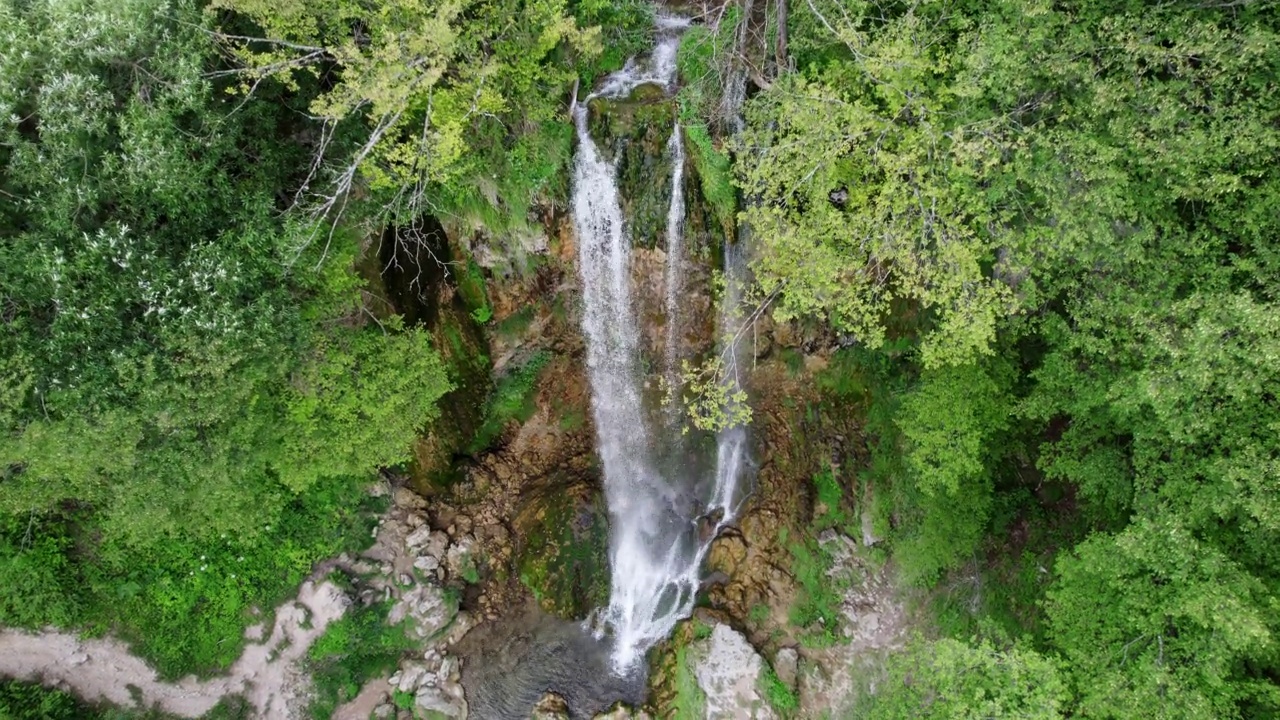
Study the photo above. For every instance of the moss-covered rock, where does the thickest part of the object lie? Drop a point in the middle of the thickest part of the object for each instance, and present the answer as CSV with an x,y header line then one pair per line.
x,y
563,554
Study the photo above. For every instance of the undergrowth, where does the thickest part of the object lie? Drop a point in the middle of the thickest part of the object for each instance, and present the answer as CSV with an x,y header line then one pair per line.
x,y
185,606
511,399
353,650
780,697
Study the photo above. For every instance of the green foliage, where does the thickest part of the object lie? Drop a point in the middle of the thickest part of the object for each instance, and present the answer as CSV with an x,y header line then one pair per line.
x,y
780,697
1072,212
817,606
357,648
952,679
830,498
23,701
715,177
511,400
190,401
471,286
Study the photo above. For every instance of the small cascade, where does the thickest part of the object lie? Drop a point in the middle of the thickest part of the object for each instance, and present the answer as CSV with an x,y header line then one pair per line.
x,y
731,442
674,279
656,549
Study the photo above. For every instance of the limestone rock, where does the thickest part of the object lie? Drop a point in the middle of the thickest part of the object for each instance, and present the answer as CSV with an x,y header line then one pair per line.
x,y
459,557
727,553
622,712
785,665
728,671
406,498
550,707
425,605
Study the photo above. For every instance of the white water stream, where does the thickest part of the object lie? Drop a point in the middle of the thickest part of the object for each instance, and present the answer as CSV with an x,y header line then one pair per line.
x,y
656,551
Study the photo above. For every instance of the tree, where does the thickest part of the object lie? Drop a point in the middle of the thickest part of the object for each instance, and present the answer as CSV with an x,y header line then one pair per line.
x,y
952,679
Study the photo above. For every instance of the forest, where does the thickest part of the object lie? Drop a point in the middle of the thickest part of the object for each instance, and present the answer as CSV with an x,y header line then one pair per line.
x,y
1032,246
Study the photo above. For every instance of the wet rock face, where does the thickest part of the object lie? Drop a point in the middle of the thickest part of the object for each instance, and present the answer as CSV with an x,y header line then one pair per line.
x,y
728,672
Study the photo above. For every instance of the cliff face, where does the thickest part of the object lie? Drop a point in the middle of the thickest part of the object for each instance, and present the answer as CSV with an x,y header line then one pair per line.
x,y
510,469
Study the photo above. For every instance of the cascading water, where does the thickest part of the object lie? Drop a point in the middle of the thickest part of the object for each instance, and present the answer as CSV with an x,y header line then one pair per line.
x,y
731,442
673,280
656,551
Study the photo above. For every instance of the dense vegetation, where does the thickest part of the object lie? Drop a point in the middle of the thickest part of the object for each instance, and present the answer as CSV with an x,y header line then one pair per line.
x,y
1049,231
1044,234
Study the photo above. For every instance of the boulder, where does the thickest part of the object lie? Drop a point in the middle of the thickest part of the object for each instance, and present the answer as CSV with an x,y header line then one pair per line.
x,y
550,707
786,665
728,672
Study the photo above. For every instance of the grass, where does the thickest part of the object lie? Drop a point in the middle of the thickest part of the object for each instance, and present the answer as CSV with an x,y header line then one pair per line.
x,y
352,651
472,289
780,697
515,324
817,607
511,399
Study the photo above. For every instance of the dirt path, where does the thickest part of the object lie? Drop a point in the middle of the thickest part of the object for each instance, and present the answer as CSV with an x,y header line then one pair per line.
x,y
105,670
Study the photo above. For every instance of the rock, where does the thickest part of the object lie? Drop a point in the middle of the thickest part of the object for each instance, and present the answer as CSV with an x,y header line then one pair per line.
x,y
622,712
550,707
78,659
427,564
426,607
406,498
410,677
433,699
418,537
458,559
384,712
728,671
785,665
726,554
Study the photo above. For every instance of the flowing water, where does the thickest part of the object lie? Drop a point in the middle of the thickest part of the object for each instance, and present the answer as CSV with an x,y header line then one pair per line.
x,y
656,551
674,277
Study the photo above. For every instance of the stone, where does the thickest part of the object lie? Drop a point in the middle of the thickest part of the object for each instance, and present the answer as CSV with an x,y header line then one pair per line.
x,y
406,498
622,712
786,666
427,564
459,557
550,707
418,538
726,554
728,671
410,677
434,699
384,712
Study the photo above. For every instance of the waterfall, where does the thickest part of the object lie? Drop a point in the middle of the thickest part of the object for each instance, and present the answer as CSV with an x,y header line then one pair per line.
x,y
655,550
674,277
731,442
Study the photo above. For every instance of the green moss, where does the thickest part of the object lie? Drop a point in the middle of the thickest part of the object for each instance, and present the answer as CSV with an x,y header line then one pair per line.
x,y
471,287
690,702
564,560
511,400
515,324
